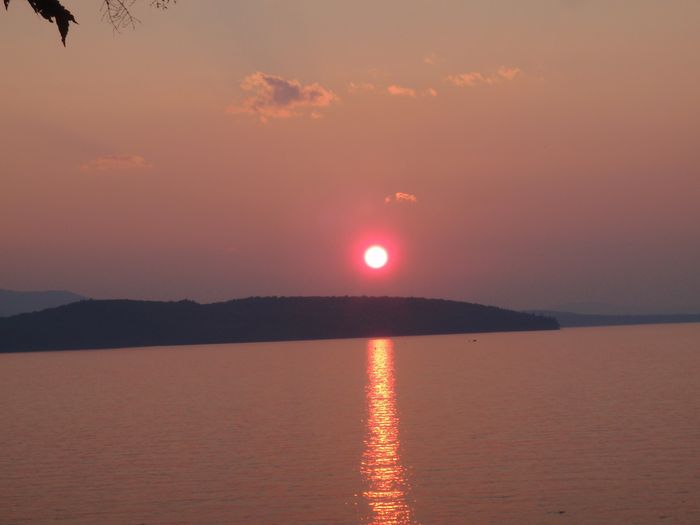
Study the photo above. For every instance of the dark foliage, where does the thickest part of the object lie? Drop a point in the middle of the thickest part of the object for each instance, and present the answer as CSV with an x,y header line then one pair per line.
x,y
122,323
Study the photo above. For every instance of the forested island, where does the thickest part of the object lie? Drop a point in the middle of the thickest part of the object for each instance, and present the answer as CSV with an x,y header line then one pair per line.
x,y
127,323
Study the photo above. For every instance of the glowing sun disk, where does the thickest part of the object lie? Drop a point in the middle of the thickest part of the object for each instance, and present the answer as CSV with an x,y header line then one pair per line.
x,y
376,256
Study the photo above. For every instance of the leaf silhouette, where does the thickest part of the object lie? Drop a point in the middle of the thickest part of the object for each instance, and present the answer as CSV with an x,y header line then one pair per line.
x,y
50,10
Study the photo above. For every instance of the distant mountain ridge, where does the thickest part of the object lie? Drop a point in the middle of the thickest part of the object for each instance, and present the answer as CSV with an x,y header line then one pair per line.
x,y
14,302
125,323
571,319
596,308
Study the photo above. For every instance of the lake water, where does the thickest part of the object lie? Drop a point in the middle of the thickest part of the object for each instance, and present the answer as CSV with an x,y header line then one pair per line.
x,y
579,426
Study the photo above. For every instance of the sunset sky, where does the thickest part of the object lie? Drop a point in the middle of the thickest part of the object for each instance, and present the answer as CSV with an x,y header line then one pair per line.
x,y
522,154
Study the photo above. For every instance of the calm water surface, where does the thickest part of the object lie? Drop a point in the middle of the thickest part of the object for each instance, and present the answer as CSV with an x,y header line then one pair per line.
x,y
580,426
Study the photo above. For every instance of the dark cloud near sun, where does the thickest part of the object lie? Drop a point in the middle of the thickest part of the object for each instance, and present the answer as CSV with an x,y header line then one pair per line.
x,y
273,96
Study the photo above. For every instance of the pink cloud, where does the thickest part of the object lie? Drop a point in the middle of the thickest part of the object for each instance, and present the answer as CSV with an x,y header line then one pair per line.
x,y
116,163
276,97
400,91
400,197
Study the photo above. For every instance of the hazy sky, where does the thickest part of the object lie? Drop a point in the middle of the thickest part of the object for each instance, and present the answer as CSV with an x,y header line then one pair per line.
x,y
226,149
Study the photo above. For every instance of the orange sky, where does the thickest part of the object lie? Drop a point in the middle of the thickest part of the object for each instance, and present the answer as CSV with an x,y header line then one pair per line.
x,y
226,149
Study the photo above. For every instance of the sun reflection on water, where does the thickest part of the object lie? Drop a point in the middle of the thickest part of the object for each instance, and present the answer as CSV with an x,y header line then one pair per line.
x,y
381,463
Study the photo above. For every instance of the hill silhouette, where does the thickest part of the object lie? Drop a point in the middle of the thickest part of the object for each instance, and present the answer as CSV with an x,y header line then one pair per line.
x,y
124,323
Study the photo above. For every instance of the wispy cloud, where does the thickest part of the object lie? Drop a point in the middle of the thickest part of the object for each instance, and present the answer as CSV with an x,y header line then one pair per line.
x,y
400,198
509,73
395,90
401,91
467,79
433,59
116,163
474,78
361,87
276,97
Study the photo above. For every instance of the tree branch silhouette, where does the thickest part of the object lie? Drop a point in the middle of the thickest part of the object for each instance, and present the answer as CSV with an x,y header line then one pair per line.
x,y
117,12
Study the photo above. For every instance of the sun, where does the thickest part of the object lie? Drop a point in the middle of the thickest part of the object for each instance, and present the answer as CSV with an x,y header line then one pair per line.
x,y
376,256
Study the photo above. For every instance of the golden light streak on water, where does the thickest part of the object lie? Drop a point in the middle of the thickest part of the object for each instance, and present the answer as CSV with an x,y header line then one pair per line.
x,y
381,463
